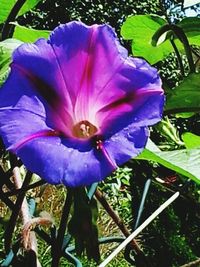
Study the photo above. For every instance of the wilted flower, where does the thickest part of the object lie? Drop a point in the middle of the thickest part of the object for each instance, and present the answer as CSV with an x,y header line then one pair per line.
x,y
76,106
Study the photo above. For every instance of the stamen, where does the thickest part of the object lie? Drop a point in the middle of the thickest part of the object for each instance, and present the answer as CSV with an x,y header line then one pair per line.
x,y
84,129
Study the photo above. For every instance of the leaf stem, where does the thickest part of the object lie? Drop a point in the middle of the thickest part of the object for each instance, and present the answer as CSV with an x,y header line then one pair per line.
x,y
6,31
178,57
179,33
183,38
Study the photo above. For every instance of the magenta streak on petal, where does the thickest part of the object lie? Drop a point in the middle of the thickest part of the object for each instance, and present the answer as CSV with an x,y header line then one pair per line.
x,y
87,73
129,98
82,102
100,147
45,90
44,133
59,112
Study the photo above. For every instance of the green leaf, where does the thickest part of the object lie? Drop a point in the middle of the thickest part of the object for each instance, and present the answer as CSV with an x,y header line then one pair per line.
x,y
7,5
140,29
6,49
184,161
10,44
191,140
28,34
191,27
185,115
185,97
5,60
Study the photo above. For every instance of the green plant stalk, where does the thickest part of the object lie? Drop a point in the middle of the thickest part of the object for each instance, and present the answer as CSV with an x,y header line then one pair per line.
x,y
57,245
183,38
7,28
178,57
178,31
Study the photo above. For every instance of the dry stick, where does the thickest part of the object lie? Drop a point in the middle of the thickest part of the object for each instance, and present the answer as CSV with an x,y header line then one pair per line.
x,y
195,263
32,242
139,229
117,220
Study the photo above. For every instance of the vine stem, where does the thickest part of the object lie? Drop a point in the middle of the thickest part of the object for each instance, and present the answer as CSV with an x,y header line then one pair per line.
x,y
57,245
178,57
116,219
139,229
6,31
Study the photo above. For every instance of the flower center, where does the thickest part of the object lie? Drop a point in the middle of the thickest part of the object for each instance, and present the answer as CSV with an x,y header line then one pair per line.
x,y
84,129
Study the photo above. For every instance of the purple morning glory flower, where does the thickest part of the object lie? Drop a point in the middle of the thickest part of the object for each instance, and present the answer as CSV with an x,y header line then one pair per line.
x,y
75,106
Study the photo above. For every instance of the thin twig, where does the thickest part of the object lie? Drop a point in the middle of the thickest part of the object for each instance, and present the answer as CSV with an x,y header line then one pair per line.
x,y
116,219
139,229
195,263
19,190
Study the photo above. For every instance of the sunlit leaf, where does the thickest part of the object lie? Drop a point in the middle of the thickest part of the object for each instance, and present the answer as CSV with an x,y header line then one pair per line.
x,y
186,96
140,30
184,161
5,60
191,27
185,115
10,44
191,140
6,49
7,5
28,34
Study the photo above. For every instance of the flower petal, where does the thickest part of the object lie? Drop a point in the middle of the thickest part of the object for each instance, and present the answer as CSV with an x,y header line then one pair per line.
x,y
93,165
141,103
89,57
80,77
37,63
129,143
21,111
59,160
